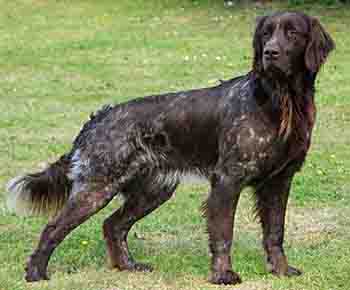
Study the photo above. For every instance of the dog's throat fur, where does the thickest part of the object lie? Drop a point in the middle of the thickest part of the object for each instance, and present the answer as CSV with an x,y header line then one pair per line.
x,y
295,110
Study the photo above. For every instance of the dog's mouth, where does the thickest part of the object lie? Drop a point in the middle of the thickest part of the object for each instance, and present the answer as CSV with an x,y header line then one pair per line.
x,y
275,68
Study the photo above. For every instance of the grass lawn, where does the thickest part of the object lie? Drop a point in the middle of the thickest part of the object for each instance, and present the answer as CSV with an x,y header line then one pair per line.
x,y
60,60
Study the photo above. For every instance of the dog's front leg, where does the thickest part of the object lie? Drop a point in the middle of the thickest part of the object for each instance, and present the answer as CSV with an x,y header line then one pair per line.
x,y
220,211
272,200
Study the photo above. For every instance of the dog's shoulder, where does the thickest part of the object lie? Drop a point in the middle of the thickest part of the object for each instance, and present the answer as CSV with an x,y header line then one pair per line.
x,y
239,95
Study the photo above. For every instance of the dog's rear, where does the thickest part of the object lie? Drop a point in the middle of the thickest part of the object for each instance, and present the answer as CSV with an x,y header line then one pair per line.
x,y
41,193
45,192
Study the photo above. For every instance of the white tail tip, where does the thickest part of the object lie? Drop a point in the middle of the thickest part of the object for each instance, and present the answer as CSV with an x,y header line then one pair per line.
x,y
18,197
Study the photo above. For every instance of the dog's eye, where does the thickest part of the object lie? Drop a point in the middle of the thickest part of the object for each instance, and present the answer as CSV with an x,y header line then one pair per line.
x,y
266,33
292,34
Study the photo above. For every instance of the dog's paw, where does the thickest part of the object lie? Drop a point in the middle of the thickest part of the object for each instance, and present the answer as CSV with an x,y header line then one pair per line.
x,y
293,272
289,272
141,267
35,271
33,274
226,278
135,267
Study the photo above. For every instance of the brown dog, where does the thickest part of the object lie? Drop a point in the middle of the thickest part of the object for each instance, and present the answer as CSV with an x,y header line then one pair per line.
x,y
254,130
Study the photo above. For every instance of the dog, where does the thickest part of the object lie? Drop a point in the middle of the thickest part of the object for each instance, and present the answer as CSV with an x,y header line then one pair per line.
x,y
253,130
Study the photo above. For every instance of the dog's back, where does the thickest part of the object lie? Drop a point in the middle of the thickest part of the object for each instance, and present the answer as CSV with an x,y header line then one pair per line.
x,y
168,130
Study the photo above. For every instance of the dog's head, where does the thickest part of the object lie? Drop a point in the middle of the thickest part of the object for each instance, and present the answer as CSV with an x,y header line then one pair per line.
x,y
289,42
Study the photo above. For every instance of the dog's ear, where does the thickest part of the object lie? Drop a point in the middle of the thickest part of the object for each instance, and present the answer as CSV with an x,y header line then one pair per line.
x,y
257,44
319,46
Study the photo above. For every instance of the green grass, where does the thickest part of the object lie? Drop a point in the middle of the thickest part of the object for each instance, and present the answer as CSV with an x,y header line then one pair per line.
x,y
60,60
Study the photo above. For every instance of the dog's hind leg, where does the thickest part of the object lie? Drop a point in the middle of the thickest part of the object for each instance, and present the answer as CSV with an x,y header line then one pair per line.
x,y
78,209
116,227
85,200
271,208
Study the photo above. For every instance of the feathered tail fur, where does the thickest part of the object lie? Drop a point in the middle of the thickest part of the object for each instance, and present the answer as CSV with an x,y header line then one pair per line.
x,y
42,193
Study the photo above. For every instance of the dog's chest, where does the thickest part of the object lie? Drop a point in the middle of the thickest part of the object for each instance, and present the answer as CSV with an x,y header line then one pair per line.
x,y
255,145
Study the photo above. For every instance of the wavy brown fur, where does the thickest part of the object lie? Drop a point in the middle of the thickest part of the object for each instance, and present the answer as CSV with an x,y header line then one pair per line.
x,y
251,130
293,96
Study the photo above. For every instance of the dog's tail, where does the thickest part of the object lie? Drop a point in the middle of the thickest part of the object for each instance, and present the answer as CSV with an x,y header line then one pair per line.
x,y
41,193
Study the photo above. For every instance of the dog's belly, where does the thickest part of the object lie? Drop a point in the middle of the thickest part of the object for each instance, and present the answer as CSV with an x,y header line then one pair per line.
x,y
170,178
193,178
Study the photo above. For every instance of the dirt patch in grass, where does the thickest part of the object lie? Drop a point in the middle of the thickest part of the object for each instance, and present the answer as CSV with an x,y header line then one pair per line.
x,y
304,225
311,226
329,130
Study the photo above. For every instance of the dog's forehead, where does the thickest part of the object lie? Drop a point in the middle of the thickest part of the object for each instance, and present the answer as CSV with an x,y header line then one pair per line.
x,y
295,19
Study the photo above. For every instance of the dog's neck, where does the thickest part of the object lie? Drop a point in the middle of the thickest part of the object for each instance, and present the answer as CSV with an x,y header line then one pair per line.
x,y
296,86
291,100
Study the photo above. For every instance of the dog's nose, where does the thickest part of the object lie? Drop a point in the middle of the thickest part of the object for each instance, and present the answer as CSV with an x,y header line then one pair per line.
x,y
271,52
